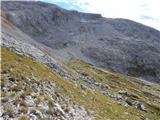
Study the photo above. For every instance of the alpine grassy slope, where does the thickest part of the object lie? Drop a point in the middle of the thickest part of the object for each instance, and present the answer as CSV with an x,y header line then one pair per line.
x,y
36,84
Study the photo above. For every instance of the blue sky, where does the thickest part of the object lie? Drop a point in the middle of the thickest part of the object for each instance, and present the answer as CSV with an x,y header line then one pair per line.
x,y
143,11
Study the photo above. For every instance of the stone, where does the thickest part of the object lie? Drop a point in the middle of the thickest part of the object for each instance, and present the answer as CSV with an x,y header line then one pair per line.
x,y
123,92
140,106
118,97
29,100
43,105
104,86
105,93
129,101
1,111
83,87
58,108
96,84
126,105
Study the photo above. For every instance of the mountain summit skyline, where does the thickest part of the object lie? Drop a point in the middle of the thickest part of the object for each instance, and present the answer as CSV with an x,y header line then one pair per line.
x,y
142,11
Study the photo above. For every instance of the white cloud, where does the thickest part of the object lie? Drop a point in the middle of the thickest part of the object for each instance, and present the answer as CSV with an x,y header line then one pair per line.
x,y
130,9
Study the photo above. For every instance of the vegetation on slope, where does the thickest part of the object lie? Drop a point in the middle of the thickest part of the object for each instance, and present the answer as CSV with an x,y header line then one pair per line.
x,y
100,99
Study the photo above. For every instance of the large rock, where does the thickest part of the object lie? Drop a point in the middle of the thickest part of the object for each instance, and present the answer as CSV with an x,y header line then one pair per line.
x,y
121,45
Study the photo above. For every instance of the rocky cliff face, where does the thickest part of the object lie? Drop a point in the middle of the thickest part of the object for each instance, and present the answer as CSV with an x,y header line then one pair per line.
x,y
120,45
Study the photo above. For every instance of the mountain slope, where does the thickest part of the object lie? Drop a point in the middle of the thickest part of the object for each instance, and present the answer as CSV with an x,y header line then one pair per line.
x,y
31,90
35,85
119,45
